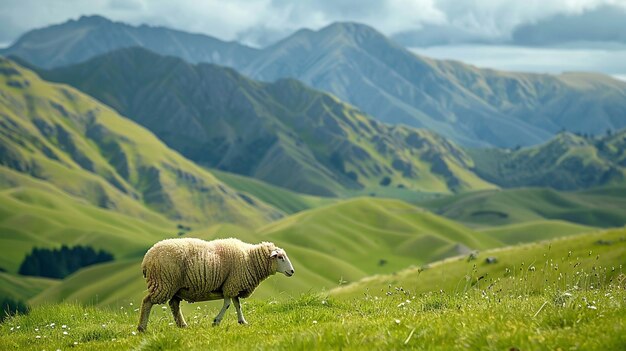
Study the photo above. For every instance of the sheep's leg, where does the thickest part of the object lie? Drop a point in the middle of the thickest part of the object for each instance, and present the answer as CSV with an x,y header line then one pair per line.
x,y
239,313
220,315
178,316
146,306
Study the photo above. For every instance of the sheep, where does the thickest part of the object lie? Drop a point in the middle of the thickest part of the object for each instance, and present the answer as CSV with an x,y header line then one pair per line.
x,y
198,270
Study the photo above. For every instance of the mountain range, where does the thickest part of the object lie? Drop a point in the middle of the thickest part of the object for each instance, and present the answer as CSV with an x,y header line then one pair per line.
x,y
472,106
284,132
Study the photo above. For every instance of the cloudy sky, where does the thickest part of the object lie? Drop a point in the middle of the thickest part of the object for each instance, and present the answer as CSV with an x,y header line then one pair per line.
x,y
484,32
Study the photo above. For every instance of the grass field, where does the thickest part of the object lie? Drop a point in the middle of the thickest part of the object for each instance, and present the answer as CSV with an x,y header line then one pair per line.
x,y
602,207
579,305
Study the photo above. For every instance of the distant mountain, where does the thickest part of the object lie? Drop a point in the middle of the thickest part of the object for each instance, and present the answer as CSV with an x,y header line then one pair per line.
x,y
475,107
470,105
78,40
55,134
283,132
567,162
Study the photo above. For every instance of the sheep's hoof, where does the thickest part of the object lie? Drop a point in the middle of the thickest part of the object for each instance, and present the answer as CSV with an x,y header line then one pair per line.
x,y
182,325
243,322
141,329
216,322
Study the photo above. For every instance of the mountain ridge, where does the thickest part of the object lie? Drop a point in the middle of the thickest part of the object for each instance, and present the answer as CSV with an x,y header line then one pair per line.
x,y
282,132
472,106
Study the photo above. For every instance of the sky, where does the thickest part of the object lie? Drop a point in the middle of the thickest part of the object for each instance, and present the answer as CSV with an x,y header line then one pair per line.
x,y
455,29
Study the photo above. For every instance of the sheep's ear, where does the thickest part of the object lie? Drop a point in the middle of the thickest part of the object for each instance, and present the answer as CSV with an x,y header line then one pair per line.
x,y
274,254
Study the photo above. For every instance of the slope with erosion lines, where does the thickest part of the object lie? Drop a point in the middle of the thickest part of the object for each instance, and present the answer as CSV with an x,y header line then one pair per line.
x,y
54,133
283,132
566,162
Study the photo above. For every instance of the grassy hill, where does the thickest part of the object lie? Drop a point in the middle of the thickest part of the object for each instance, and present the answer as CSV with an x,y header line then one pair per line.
x,y
284,132
571,299
23,288
57,134
601,207
569,264
528,232
567,162
326,245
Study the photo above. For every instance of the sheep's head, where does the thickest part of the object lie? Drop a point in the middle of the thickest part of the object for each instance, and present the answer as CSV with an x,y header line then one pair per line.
x,y
282,263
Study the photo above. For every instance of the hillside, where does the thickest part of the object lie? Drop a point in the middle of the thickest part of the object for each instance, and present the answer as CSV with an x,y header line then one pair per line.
x,y
283,133
602,207
78,40
327,245
54,133
285,200
567,161
569,264
357,64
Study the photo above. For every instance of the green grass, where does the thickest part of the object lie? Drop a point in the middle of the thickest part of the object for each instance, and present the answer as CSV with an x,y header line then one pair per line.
x,y
573,299
577,261
600,207
535,231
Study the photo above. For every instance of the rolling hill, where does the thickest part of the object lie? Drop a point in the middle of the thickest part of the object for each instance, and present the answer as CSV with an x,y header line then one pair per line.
x,y
567,162
327,246
475,107
601,207
585,261
284,132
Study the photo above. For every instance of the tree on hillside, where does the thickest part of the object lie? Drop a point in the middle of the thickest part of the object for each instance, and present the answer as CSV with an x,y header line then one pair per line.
x,y
59,263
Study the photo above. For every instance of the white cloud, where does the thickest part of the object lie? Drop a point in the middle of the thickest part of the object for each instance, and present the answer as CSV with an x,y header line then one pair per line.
x,y
239,19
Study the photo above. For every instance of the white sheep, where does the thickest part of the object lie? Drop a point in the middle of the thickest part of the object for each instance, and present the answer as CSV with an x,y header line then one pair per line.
x,y
198,270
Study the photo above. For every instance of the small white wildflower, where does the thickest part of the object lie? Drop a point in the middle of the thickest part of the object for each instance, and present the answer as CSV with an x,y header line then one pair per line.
x,y
314,322
401,304
397,321
198,308
12,328
135,310
114,339
36,329
408,301
131,304
38,337
18,327
104,326
64,326
122,307
58,349
86,314
592,307
134,333
52,325
164,308
170,323
75,342
567,294
324,302
65,333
